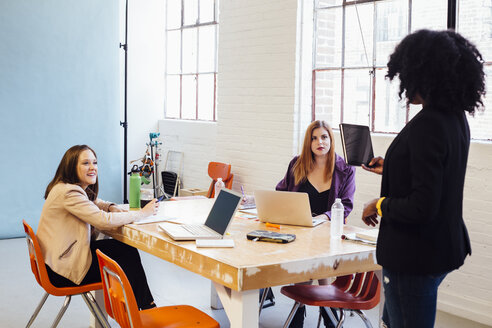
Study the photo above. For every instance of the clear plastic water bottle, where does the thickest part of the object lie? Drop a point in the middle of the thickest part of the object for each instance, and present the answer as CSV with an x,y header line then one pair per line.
x,y
218,185
336,229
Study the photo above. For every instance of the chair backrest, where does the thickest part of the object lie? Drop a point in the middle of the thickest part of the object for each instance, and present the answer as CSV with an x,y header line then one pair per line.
x,y
36,259
119,299
343,282
219,170
357,284
170,182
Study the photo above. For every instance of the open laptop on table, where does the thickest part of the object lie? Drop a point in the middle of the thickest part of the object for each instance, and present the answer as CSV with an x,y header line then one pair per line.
x,y
219,218
285,207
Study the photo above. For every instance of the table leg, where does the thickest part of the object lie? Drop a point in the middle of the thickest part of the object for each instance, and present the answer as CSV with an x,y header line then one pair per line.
x,y
379,275
214,298
241,307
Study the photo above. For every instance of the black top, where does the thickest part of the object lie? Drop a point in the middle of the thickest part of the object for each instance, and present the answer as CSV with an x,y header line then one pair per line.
x,y
422,229
317,200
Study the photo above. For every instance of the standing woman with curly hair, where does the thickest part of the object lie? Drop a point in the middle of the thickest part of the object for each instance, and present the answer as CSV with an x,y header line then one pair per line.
x,y
422,236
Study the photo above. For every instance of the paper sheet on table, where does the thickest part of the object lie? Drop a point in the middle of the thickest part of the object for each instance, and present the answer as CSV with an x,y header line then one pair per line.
x,y
155,218
353,237
252,211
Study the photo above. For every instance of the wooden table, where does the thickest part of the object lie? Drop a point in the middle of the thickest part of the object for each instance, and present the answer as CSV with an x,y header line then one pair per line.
x,y
238,273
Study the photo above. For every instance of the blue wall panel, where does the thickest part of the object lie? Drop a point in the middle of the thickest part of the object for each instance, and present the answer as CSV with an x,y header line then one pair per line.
x,y
59,86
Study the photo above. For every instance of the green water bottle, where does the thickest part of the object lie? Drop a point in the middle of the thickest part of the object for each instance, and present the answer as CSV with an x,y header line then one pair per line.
x,y
135,183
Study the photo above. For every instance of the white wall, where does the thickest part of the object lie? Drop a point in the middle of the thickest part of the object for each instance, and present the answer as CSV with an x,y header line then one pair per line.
x,y
146,50
261,118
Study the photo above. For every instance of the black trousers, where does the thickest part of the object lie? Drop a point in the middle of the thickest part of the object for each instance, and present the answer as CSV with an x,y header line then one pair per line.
x,y
128,259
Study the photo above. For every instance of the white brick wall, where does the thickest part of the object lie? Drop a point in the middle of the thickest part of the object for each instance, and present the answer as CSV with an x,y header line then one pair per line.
x,y
262,117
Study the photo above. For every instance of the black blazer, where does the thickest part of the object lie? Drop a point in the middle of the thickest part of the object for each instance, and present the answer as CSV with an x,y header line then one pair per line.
x,y
422,229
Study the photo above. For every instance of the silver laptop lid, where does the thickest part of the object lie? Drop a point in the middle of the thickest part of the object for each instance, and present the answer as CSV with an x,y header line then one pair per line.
x,y
223,210
284,207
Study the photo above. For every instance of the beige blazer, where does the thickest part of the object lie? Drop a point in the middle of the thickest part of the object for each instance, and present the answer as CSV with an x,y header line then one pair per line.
x,y
64,230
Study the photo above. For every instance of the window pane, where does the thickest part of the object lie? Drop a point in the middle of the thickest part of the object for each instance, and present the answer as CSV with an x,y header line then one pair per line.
x,y
428,14
329,38
481,124
356,46
190,12
356,97
189,50
412,109
207,11
327,3
328,94
172,96
391,27
206,97
173,14
390,114
189,97
206,52
173,52
475,24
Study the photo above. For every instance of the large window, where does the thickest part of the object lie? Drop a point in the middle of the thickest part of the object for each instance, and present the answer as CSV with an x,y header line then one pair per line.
x,y
352,43
191,65
475,23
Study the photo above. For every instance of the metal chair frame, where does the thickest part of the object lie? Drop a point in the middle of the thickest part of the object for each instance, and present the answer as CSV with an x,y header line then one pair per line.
x,y
87,296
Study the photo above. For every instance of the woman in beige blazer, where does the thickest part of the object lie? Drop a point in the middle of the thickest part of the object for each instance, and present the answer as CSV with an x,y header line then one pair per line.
x,y
69,219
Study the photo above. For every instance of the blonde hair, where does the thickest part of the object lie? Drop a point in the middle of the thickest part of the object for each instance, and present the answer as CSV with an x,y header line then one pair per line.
x,y
305,162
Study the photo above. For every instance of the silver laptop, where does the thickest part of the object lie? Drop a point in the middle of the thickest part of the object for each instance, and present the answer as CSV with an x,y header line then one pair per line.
x,y
219,218
285,207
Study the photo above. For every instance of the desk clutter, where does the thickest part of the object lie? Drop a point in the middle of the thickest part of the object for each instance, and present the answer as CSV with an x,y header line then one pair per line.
x,y
271,236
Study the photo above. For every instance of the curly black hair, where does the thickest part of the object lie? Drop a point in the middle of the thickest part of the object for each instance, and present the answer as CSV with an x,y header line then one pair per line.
x,y
444,68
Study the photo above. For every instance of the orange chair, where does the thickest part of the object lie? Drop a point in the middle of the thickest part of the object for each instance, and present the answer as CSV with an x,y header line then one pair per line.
x,y
39,269
219,170
121,304
363,294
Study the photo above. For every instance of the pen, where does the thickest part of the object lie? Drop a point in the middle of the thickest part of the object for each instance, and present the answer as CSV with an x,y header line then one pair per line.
x,y
271,225
242,190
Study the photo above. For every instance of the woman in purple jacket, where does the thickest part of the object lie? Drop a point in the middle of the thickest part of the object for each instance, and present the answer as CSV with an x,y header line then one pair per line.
x,y
324,176
320,173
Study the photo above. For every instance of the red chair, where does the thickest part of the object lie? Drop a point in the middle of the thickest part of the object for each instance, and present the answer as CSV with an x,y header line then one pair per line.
x,y
121,304
219,170
39,270
363,294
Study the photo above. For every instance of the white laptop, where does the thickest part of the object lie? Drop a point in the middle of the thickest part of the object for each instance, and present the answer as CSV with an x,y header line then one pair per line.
x,y
285,207
219,218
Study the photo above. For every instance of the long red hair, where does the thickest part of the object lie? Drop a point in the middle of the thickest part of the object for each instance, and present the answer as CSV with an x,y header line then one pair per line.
x,y
305,162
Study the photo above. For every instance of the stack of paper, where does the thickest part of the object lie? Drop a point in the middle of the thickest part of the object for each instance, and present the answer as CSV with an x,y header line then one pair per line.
x,y
369,234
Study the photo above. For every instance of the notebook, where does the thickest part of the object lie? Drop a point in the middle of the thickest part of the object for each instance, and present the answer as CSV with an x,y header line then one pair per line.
x,y
356,144
218,220
285,207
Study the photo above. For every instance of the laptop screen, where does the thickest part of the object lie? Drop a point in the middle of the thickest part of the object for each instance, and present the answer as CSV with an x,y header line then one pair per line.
x,y
223,210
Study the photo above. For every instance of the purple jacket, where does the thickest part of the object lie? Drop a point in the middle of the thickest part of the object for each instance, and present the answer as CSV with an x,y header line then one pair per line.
x,y
342,184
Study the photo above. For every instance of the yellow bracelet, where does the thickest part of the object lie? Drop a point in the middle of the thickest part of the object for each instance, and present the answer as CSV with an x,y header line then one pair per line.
x,y
378,206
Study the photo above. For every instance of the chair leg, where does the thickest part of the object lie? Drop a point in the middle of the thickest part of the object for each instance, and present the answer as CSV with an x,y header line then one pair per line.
x,y
35,314
329,316
291,314
263,297
342,319
95,309
364,318
62,311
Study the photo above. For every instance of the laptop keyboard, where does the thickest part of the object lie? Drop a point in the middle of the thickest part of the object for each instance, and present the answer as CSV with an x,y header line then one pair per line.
x,y
197,230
